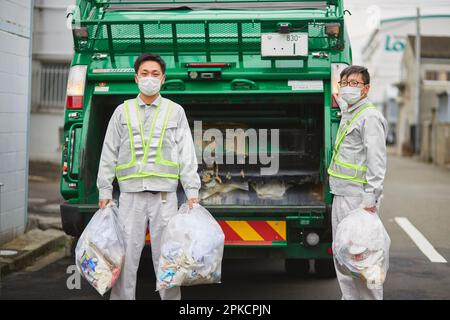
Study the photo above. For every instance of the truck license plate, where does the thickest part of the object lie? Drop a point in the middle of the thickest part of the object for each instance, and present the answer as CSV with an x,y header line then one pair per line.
x,y
294,44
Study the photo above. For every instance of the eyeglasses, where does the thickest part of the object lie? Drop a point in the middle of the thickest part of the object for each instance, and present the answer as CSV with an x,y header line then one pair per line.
x,y
352,83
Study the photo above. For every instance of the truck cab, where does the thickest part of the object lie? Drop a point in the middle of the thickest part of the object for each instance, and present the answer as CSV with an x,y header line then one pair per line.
x,y
255,79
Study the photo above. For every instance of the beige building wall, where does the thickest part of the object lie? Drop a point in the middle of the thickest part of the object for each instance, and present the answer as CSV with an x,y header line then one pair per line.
x,y
443,144
428,102
405,101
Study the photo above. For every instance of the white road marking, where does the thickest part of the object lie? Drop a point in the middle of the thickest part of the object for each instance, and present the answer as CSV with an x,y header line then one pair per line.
x,y
421,242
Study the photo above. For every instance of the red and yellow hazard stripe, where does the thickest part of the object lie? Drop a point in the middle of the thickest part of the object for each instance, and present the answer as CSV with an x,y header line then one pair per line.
x,y
249,232
253,232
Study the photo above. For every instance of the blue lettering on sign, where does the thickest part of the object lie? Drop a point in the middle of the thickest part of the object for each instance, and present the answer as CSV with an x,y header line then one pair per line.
x,y
394,45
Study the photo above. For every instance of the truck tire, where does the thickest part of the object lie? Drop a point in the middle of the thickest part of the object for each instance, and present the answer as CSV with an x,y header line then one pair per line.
x,y
296,267
325,268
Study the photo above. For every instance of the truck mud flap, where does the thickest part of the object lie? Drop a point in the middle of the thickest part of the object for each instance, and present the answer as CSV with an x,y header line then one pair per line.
x,y
72,220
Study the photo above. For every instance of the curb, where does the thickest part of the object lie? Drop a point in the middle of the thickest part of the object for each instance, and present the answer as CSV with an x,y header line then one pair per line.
x,y
49,208
28,254
43,222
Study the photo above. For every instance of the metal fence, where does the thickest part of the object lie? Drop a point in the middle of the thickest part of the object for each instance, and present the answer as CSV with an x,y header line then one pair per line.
x,y
49,85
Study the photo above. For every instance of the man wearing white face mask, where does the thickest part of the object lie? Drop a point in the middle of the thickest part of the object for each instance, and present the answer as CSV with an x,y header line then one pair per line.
x,y
358,164
148,147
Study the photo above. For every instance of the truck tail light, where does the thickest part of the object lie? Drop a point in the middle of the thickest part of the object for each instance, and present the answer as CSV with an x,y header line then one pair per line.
x,y
332,29
81,33
75,87
336,69
64,169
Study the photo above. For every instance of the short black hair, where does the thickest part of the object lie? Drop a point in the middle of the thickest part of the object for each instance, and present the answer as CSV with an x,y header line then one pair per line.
x,y
149,57
356,69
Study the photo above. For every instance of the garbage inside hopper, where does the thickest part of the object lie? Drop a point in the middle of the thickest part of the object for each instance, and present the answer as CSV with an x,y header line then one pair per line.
x,y
220,188
274,190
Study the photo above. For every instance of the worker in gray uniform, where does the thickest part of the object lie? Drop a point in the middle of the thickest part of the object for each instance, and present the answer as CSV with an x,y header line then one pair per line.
x,y
148,147
358,164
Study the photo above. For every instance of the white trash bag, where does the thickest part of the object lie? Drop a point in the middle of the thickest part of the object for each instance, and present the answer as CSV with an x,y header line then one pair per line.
x,y
361,247
100,251
192,249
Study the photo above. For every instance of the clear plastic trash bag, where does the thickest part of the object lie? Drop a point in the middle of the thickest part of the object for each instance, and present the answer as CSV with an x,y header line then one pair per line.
x,y
100,251
361,247
192,249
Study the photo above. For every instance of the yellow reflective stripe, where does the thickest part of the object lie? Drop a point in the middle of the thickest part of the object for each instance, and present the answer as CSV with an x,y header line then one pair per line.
x,y
339,140
166,119
145,158
159,159
351,166
333,173
167,163
130,133
149,174
356,116
146,144
138,109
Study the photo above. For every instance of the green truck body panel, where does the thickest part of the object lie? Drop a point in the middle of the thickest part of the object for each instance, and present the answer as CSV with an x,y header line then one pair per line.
x,y
117,33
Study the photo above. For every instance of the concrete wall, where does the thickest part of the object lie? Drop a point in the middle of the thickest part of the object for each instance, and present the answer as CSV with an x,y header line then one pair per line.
x,y
45,142
15,62
443,144
405,100
51,39
436,143
427,150
52,42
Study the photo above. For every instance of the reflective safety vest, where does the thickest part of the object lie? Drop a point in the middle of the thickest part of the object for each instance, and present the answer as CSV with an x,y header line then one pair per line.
x,y
342,170
146,159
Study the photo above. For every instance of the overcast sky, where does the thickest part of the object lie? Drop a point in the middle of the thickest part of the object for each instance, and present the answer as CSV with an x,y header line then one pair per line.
x,y
366,13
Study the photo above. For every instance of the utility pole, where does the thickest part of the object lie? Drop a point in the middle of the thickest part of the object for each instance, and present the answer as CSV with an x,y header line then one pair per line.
x,y
418,78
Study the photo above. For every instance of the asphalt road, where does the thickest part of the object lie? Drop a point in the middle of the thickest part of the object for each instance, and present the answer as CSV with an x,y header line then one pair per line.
x,y
415,192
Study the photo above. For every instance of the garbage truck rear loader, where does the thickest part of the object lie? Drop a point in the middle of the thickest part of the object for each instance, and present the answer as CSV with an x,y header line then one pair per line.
x,y
255,79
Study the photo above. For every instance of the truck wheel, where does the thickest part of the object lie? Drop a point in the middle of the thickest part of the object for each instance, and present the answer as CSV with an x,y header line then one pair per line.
x,y
325,268
296,267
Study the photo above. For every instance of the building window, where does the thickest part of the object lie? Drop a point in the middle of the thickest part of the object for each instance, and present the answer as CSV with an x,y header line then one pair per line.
x,y
49,86
431,75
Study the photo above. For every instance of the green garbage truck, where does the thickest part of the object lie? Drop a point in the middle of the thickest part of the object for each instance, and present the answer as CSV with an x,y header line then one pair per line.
x,y
255,78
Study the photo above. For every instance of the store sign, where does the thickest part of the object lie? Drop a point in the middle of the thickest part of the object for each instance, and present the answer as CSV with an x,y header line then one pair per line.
x,y
394,44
